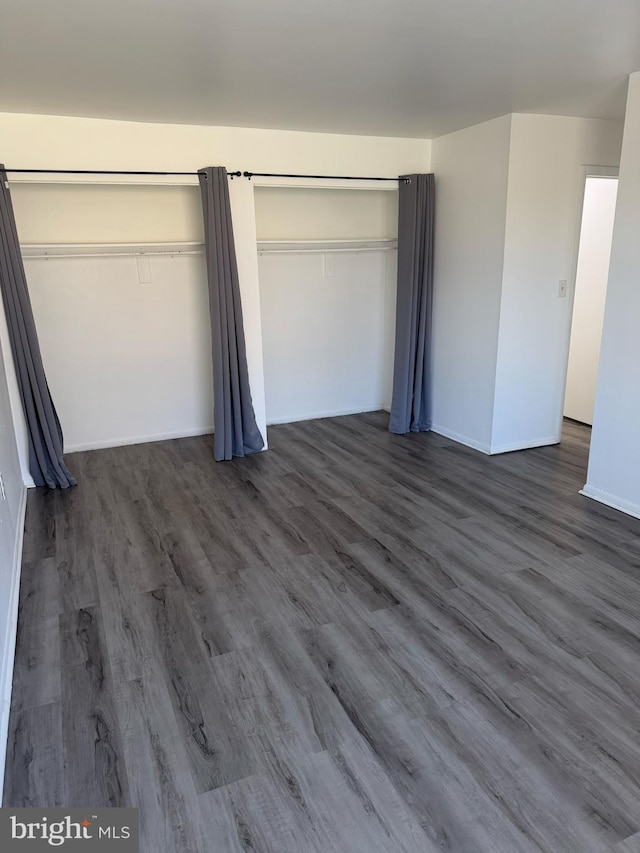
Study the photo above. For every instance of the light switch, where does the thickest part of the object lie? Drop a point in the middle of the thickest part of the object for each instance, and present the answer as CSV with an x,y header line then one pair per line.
x,y
329,265
562,288
144,269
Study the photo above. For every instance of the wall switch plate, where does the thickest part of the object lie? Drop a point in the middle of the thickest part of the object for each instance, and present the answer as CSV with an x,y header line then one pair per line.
x,y
562,288
329,265
144,269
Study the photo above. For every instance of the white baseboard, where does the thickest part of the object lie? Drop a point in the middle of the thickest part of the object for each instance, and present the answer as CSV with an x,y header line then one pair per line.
x,y
189,433
629,507
492,450
461,439
526,445
6,673
137,439
292,419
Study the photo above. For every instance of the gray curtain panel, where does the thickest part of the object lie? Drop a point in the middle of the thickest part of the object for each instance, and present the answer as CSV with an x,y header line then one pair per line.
x,y
45,434
410,404
236,432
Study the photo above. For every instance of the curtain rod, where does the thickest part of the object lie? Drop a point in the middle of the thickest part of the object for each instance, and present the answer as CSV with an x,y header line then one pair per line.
x,y
232,175
250,175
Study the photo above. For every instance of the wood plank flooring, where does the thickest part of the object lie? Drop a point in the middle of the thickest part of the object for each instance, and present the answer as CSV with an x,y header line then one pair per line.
x,y
354,642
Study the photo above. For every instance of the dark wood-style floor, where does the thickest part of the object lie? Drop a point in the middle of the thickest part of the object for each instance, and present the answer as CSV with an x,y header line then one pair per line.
x,y
354,642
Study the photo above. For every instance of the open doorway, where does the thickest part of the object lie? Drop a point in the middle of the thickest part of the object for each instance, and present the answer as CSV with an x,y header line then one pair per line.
x,y
592,270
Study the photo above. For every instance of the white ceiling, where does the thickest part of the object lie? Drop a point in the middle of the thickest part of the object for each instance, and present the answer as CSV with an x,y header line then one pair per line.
x,y
382,67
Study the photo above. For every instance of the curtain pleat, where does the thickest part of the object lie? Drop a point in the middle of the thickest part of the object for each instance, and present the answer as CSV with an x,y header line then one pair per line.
x,y
46,462
410,405
236,432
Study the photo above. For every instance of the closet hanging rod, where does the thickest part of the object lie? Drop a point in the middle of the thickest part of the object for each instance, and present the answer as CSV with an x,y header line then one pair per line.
x,y
231,175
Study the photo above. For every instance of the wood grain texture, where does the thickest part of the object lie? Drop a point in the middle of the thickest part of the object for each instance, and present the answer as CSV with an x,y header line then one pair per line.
x,y
94,769
356,642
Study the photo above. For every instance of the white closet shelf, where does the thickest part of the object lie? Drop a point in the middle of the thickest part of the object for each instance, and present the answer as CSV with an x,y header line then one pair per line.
x,y
323,246
107,250
46,251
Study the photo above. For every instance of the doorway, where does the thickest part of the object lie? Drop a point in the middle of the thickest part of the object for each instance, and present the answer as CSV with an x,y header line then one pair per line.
x,y
592,270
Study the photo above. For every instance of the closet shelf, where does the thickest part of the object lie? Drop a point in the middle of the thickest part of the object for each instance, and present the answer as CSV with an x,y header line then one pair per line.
x,y
107,250
324,246
123,250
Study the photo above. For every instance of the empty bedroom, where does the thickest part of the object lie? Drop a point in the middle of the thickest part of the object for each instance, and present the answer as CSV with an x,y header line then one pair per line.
x,y
319,469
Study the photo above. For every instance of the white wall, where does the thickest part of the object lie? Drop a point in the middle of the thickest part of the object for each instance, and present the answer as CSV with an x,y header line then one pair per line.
x,y
325,214
328,319
596,232
126,362
11,526
85,213
328,340
546,178
471,169
614,461
508,200
63,142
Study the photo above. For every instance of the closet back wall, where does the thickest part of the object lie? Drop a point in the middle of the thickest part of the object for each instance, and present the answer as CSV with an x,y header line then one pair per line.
x,y
126,362
327,317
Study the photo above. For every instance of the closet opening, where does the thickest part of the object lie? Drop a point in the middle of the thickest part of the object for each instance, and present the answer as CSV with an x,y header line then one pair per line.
x,y
327,269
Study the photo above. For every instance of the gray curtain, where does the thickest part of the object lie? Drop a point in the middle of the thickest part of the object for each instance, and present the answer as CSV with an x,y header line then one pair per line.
x,y
410,404
235,430
45,435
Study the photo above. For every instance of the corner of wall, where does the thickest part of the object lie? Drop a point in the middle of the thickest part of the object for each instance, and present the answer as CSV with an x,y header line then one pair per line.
x,y
547,160
615,453
512,120
614,501
9,640
471,167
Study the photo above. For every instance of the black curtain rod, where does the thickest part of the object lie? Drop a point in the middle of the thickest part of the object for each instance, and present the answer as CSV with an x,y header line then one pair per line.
x,y
250,175
231,175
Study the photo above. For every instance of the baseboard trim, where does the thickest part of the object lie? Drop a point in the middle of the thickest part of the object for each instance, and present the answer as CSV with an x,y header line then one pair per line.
x,y
336,413
628,507
6,674
527,445
137,439
461,439
190,433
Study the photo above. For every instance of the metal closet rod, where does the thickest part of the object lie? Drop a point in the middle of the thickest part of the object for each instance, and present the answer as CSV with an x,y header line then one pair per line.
x,y
237,174
250,175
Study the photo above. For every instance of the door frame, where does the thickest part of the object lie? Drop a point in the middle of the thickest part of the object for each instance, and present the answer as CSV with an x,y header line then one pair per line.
x,y
587,172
